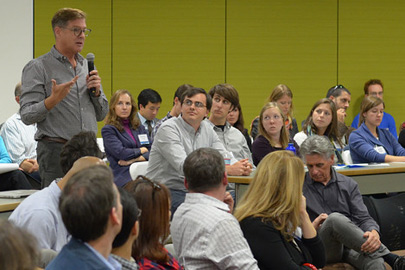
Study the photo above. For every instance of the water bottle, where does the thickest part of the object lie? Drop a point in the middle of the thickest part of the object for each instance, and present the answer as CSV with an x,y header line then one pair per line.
x,y
291,148
227,159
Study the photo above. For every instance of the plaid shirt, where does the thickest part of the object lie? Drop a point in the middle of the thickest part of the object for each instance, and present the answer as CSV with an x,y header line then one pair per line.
x,y
126,265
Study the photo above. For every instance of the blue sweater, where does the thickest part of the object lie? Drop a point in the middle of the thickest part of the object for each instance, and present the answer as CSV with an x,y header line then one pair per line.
x,y
387,123
362,143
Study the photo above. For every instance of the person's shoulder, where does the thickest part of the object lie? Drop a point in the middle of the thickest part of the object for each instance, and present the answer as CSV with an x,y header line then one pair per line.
x,y
345,179
389,116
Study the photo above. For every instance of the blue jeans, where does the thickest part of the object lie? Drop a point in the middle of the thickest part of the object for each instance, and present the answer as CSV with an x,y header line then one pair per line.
x,y
178,197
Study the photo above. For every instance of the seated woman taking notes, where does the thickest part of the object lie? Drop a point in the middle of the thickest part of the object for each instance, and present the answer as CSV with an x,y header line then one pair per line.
x,y
369,143
270,212
125,140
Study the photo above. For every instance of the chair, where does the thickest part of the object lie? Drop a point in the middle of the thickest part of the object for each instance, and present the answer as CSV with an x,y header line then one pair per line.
x,y
100,144
347,158
138,168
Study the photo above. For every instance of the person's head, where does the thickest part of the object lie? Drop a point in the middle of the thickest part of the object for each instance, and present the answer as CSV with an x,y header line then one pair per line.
x,y
317,153
283,96
340,96
80,145
90,204
195,104
149,103
322,119
19,249
235,118
224,99
17,92
69,28
154,201
272,124
204,170
176,110
374,87
130,224
371,111
122,106
275,192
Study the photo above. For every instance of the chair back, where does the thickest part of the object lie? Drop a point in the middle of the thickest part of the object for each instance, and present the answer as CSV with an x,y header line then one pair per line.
x,y
138,168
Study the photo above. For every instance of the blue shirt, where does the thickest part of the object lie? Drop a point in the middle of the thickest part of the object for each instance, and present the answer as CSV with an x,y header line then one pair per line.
x,y
387,123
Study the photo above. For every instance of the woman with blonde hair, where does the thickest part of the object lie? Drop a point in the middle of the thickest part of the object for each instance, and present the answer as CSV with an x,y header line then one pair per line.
x,y
322,120
273,134
125,140
272,209
282,95
369,143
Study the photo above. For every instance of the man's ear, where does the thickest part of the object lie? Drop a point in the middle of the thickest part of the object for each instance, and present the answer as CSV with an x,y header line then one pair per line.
x,y
115,218
135,229
332,98
225,179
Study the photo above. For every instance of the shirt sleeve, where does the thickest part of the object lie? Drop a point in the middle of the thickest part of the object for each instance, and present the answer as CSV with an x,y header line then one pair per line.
x,y
14,143
392,127
4,157
115,147
260,148
360,146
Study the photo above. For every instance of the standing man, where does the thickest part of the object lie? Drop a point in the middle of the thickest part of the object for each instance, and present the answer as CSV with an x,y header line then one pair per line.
x,y
93,226
205,233
56,92
341,97
336,207
178,137
375,87
20,143
149,104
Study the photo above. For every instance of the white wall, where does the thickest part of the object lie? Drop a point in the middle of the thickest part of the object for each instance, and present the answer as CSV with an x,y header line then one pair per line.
x,y
16,49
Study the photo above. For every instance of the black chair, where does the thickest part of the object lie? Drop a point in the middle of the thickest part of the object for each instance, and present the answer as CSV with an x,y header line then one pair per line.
x,y
389,213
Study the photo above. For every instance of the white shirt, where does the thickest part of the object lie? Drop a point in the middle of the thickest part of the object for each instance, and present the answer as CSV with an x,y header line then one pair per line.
x,y
206,236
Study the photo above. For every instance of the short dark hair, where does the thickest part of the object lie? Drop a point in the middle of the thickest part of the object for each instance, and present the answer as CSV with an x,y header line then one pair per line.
x,y
130,214
80,145
226,91
204,169
180,91
336,91
86,202
148,95
372,82
62,17
194,91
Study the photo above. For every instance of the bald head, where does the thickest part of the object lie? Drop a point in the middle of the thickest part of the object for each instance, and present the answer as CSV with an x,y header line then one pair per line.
x,y
79,165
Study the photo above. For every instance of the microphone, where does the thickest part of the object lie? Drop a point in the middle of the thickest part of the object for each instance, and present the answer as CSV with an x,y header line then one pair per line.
x,y
90,61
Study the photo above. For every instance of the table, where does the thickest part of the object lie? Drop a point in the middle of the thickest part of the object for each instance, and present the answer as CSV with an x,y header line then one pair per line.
x,y
7,206
387,177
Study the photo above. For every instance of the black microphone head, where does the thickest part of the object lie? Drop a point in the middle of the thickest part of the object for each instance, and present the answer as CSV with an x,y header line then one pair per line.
x,y
90,57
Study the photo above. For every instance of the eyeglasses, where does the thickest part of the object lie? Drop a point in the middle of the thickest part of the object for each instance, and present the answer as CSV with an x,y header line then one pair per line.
x,y
77,31
339,86
197,104
139,214
155,185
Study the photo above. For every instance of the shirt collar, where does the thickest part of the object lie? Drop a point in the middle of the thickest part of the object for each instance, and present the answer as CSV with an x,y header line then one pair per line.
x,y
111,263
141,118
188,127
193,198
55,53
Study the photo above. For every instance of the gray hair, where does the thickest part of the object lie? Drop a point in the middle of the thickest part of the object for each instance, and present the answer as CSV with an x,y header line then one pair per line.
x,y
316,144
17,90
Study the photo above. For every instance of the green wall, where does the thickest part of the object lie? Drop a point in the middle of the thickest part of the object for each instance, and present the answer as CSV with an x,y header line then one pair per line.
x,y
254,45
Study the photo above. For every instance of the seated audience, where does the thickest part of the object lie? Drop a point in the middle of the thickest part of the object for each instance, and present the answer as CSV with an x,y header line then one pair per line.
x,y
154,201
322,120
125,140
39,213
123,242
336,207
235,118
282,95
20,143
91,210
369,143
204,232
224,99
13,179
148,105
178,137
270,224
273,134
19,250
176,109
374,87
